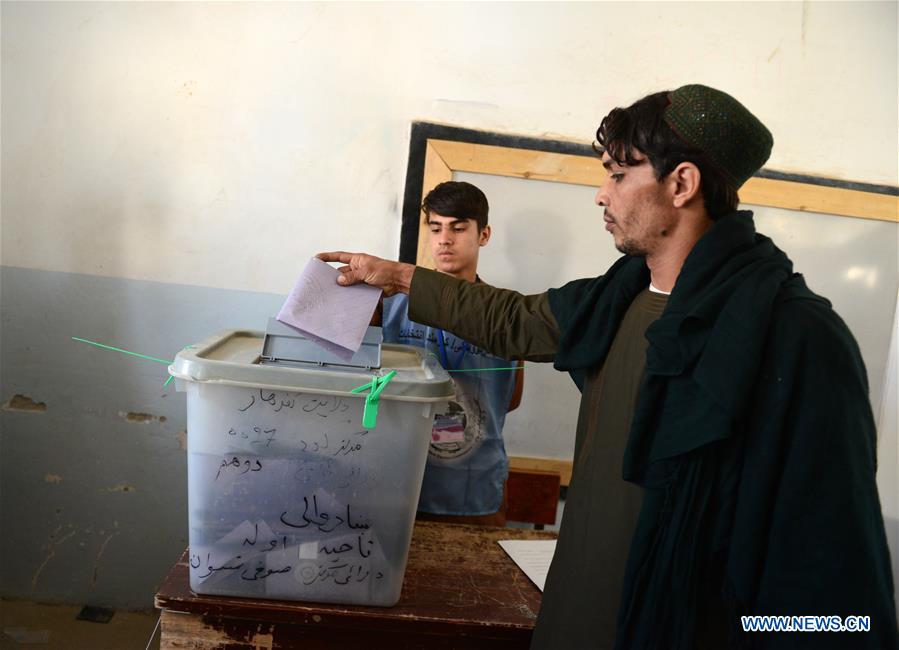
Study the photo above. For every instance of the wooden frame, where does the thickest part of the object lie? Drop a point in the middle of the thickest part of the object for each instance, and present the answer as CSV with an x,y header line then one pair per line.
x,y
437,151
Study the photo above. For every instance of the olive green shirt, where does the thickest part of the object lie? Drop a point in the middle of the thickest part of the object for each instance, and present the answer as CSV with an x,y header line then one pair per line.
x,y
583,587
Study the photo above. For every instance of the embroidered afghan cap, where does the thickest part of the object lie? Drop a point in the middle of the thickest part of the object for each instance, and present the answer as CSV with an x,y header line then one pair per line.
x,y
734,139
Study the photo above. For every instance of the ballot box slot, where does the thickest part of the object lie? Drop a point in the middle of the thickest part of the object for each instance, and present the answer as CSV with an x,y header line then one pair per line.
x,y
286,346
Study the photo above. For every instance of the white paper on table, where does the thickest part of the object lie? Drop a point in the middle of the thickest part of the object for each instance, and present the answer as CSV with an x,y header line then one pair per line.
x,y
333,316
532,556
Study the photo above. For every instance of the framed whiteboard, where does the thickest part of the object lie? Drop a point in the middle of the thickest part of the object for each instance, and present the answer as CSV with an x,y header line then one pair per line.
x,y
547,230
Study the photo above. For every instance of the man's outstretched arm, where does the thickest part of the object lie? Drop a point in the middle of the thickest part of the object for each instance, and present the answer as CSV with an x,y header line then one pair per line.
x,y
501,321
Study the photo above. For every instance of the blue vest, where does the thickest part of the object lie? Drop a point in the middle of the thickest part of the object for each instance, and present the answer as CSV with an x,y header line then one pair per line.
x,y
467,465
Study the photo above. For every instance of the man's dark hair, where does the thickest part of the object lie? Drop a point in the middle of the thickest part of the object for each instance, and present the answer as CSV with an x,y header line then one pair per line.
x,y
642,127
457,199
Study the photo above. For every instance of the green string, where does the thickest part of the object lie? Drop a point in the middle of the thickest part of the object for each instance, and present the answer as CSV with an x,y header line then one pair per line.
x,y
186,347
487,369
521,367
133,354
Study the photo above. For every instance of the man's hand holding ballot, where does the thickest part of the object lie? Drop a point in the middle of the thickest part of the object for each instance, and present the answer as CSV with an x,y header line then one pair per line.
x,y
390,277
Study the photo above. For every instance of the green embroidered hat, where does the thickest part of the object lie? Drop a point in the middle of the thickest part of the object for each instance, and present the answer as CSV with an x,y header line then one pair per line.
x,y
734,139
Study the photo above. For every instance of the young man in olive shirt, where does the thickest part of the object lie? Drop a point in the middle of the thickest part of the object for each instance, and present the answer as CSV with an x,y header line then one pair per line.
x,y
725,451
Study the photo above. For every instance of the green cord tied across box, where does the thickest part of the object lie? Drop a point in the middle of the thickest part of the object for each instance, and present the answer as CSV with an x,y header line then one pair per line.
x,y
370,411
135,354
377,384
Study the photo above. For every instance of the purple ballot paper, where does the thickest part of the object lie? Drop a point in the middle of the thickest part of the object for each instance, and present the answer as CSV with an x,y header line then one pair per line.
x,y
333,316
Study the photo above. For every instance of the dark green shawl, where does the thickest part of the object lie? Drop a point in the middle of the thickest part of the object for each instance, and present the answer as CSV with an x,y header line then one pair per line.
x,y
754,438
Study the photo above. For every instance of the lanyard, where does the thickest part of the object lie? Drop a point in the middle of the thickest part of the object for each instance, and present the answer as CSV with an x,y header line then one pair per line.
x,y
444,359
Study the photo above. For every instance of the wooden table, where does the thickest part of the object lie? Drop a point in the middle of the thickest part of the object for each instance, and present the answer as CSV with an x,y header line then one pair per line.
x,y
460,591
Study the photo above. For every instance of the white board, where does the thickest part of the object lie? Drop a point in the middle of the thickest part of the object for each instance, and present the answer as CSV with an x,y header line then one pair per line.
x,y
545,234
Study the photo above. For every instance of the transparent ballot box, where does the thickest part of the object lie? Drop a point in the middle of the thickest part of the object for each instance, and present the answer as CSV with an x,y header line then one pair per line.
x,y
290,496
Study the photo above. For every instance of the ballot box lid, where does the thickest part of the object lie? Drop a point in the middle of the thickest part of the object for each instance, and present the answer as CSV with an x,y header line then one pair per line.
x,y
234,357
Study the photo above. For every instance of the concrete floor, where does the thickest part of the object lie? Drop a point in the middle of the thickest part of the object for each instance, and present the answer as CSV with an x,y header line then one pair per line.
x,y
54,627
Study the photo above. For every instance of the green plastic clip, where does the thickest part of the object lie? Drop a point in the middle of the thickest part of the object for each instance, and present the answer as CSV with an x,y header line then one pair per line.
x,y
370,410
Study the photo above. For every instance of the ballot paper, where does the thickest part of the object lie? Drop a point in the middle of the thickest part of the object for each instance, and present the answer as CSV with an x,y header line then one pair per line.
x,y
334,316
532,556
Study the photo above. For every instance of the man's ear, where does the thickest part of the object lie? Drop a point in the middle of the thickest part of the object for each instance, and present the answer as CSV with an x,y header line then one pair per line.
x,y
484,236
685,184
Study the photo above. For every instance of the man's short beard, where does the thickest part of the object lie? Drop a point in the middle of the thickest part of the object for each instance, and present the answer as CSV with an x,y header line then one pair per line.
x,y
630,247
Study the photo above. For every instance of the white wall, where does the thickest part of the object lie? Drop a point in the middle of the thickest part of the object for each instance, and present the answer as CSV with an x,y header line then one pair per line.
x,y
221,144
